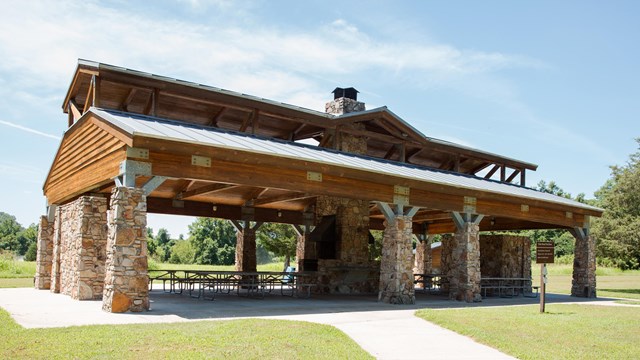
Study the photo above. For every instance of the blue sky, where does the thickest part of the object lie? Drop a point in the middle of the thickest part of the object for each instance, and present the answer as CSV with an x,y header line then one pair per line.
x,y
549,82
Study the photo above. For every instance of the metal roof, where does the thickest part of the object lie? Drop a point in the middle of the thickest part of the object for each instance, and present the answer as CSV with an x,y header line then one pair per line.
x,y
147,126
99,66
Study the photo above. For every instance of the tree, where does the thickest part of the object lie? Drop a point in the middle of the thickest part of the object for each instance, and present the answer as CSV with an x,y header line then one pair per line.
x,y
280,239
9,229
616,232
182,252
163,245
26,238
213,241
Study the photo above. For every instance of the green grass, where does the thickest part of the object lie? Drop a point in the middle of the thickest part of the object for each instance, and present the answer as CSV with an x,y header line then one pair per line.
x,y
610,282
10,268
238,339
16,282
564,332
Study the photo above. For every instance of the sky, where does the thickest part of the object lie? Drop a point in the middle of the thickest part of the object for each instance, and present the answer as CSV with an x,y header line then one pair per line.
x,y
555,83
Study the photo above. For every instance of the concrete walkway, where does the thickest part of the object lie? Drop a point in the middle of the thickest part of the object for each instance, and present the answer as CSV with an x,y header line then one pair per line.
x,y
385,331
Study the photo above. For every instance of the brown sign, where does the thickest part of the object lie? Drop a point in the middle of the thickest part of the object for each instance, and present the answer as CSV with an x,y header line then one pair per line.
x,y
544,252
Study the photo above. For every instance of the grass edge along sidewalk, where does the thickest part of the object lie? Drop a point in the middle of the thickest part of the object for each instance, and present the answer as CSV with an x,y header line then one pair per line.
x,y
235,339
564,332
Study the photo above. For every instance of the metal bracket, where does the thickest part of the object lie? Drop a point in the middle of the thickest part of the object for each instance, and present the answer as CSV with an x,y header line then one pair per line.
x,y
129,169
459,219
51,212
153,184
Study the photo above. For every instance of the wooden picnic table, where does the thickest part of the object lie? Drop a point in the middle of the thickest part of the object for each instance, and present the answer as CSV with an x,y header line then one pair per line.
x,y
429,282
200,283
508,286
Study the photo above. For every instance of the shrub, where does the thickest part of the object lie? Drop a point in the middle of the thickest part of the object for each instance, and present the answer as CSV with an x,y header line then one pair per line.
x,y
30,255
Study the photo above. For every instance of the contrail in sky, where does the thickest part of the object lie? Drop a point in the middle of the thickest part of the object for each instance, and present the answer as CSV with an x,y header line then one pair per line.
x,y
33,131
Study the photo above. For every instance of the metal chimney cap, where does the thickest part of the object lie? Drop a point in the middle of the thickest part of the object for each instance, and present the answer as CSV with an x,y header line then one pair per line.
x,y
350,93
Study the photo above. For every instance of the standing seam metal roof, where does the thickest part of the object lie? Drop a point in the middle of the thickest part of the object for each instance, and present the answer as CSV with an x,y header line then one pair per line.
x,y
140,125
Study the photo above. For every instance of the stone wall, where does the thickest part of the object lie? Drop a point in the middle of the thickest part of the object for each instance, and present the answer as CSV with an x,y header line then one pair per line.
x,y
44,255
352,226
79,248
343,105
340,277
126,280
584,268
505,256
396,265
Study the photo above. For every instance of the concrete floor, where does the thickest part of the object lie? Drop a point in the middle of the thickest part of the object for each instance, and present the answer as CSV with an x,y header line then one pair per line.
x,y
386,331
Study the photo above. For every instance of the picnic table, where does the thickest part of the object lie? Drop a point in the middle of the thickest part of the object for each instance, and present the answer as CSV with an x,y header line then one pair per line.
x,y
508,286
207,283
429,282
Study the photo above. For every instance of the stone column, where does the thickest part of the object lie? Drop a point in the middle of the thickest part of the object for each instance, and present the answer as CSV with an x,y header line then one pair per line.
x,y
246,247
126,280
423,256
396,268
57,249
44,256
464,269
305,248
584,265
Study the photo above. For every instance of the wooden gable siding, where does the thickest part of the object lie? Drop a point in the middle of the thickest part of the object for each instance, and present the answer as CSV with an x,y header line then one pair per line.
x,y
88,157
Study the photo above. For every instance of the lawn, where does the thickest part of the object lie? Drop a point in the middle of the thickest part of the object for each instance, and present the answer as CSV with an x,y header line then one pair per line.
x,y
610,282
237,339
564,332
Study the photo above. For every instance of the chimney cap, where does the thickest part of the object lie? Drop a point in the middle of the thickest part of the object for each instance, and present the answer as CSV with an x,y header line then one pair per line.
x,y
349,92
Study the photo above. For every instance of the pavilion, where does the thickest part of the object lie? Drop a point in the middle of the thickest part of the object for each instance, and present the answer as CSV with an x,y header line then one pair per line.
x,y
138,143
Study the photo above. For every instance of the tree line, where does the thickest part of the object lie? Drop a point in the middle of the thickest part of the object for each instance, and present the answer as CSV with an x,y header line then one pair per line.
x,y
18,239
213,242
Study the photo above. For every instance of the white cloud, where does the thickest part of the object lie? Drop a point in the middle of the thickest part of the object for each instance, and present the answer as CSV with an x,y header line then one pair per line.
x,y
29,130
270,62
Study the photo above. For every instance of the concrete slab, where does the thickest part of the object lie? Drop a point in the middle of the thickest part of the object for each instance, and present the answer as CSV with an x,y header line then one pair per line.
x,y
386,331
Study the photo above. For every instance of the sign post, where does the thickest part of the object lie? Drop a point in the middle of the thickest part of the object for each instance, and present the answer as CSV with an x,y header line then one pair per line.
x,y
544,256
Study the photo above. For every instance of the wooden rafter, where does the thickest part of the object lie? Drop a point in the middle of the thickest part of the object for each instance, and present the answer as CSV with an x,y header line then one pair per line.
x,y
282,198
392,150
216,117
479,168
127,101
513,175
207,189
254,194
248,120
493,170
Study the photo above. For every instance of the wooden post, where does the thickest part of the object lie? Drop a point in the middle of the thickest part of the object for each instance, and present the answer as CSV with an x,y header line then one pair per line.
x,y
543,285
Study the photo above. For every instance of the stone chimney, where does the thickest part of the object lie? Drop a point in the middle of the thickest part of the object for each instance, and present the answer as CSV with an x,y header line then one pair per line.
x,y
345,100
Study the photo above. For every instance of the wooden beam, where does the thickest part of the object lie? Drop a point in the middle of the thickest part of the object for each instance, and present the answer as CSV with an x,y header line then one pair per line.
x,y
254,194
503,172
248,121
413,153
282,198
74,111
223,211
390,152
523,178
513,175
493,170
206,189
216,117
479,168
127,101
89,99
